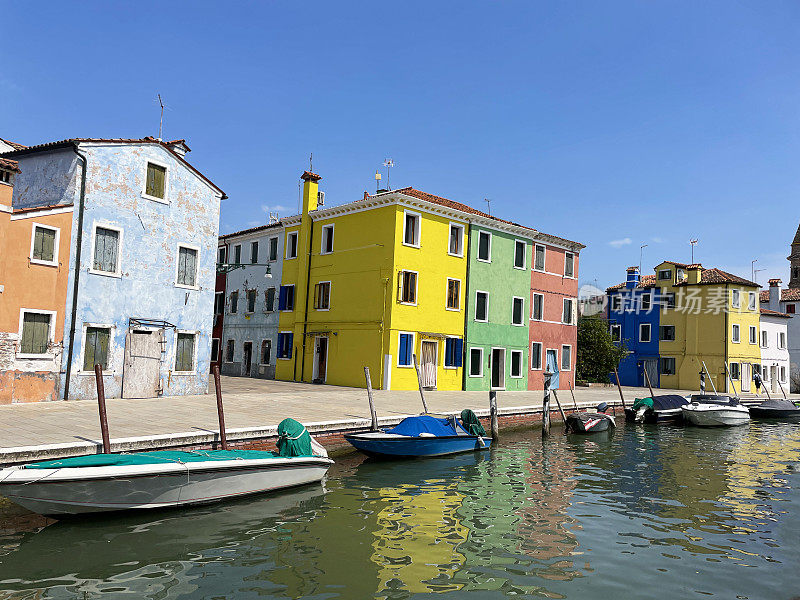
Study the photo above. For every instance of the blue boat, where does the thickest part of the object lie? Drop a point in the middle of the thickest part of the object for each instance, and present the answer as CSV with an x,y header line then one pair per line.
x,y
424,435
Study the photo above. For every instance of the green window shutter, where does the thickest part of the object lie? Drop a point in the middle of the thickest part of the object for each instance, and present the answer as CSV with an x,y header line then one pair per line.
x,y
48,244
184,358
106,247
191,267
156,179
35,333
96,350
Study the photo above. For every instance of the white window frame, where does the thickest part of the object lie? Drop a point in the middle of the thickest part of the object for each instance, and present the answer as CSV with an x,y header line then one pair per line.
x,y
416,287
265,364
561,361
478,249
290,235
738,370
330,228
178,247
460,253
109,367
781,340
469,369
444,354
522,312
165,199
764,338
247,301
224,250
541,356
237,247
649,333
447,293
736,301
524,254
278,343
196,335
544,258
486,320
50,332
661,366
118,271
533,307
38,261
573,265
217,295
611,329
413,348
277,248
571,311
751,301
753,333
667,278
736,334
294,300
511,364
418,232
330,295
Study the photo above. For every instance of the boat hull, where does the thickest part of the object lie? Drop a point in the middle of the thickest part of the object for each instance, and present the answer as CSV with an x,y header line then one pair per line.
x,y
719,416
585,423
383,445
651,417
60,492
775,413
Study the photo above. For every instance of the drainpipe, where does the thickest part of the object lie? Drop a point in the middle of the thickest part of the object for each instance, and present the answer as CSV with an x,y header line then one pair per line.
x,y
467,296
76,276
308,285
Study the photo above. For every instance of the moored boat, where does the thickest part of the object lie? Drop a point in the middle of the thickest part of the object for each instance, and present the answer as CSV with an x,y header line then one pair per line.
x,y
783,410
715,411
658,409
590,422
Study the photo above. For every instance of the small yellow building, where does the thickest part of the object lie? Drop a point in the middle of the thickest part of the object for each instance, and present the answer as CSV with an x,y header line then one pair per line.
x,y
707,316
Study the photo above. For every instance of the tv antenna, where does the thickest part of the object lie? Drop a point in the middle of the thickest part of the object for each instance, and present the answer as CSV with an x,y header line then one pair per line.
x,y
311,162
488,206
161,118
388,163
693,243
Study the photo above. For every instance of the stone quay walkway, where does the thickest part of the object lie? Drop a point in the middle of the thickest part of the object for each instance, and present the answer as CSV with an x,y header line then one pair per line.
x,y
253,408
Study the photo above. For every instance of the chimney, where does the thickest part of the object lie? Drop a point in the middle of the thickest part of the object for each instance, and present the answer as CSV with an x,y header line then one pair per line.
x,y
179,147
633,278
775,295
694,273
310,191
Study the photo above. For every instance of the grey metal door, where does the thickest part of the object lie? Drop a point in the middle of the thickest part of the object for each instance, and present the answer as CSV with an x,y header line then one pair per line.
x,y
141,373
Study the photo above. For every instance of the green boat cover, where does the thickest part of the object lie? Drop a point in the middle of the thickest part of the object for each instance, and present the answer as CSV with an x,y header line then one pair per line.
x,y
640,402
471,423
149,458
293,439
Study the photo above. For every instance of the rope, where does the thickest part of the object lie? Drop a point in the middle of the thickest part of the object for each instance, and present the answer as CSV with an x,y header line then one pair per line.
x,y
286,437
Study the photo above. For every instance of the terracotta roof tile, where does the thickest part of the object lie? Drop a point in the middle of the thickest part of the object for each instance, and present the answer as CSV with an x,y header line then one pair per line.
x,y
14,145
251,230
309,176
9,165
787,295
646,281
774,313
28,209
712,276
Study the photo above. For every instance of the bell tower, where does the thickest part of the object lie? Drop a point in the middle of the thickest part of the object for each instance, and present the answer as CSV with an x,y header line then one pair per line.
x,y
794,262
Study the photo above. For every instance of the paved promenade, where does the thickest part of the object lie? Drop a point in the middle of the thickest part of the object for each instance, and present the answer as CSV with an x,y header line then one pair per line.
x,y
252,408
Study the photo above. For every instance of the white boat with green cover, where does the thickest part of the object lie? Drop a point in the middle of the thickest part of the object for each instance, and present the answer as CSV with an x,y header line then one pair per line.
x,y
161,479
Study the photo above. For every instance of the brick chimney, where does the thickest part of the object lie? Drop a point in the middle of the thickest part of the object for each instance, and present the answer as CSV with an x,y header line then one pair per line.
x,y
775,295
633,278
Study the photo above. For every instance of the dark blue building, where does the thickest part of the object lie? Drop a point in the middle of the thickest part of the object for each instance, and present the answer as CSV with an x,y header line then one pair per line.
x,y
633,317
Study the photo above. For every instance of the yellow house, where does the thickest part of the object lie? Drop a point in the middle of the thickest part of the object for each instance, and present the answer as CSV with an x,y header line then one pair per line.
x,y
372,283
707,316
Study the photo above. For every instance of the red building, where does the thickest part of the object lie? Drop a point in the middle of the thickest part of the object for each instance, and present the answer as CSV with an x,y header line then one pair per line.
x,y
554,308
219,308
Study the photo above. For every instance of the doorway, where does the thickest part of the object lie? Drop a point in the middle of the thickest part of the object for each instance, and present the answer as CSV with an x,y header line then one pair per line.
x,y
427,367
498,369
746,377
141,371
247,358
773,378
650,366
320,374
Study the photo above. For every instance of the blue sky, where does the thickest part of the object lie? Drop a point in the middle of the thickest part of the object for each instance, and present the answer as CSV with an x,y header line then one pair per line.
x,y
614,124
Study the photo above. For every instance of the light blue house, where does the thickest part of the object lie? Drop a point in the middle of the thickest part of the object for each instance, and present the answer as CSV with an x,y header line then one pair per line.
x,y
142,268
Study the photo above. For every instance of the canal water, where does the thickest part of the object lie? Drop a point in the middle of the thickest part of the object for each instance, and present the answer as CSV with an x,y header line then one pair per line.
x,y
644,513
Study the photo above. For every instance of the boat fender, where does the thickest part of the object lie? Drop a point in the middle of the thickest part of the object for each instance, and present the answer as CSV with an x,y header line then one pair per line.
x,y
426,434
317,448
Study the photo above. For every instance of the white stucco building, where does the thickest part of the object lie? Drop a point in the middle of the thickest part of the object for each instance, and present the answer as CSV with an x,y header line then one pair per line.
x,y
774,351
783,302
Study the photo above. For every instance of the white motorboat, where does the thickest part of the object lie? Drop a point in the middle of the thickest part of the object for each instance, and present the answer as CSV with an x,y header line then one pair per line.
x,y
715,411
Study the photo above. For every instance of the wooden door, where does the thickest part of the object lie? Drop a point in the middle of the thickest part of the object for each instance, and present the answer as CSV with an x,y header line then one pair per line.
x,y
247,358
498,369
320,359
427,366
746,377
141,371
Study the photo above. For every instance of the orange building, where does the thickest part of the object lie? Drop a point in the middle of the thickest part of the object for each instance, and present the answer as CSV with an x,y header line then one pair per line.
x,y
34,268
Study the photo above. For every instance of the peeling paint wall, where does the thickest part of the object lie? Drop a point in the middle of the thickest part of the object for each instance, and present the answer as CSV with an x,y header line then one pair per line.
x,y
47,179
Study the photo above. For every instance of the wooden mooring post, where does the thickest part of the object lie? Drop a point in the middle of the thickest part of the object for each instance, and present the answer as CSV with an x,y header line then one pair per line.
x,y
493,419
223,440
546,405
419,383
619,387
372,413
101,405
561,410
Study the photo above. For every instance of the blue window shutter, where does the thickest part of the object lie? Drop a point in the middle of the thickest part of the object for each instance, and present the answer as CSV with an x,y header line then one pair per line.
x,y
448,352
404,359
282,298
289,343
459,362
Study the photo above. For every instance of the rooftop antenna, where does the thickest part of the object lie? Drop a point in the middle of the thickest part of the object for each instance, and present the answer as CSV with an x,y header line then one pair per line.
x,y
311,162
161,119
388,163
693,243
753,269
488,206
755,274
641,252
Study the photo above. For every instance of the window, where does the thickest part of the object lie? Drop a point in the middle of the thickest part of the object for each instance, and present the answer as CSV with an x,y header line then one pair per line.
x,y
222,254
95,347
668,366
35,332
765,373
326,245
665,274
6,176
229,351
187,267
269,299
616,303
476,362
106,250
456,243
751,303
253,253
569,309
781,340
405,350
484,246
322,295
516,363
566,358
764,339
735,298
646,301
537,308
44,245
453,352
753,335
273,249
536,356
519,254
538,259
219,303
266,351
411,230
783,374
285,340
156,183
184,353
735,334
668,300
235,302
667,333
453,294
408,287
251,301
790,308
569,264
482,306
214,350
644,332
734,370
286,298
517,311
616,333
291,245
237,254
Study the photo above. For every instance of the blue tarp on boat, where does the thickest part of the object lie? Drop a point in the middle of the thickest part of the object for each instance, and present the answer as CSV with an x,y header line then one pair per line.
x,y
413,426
668,401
